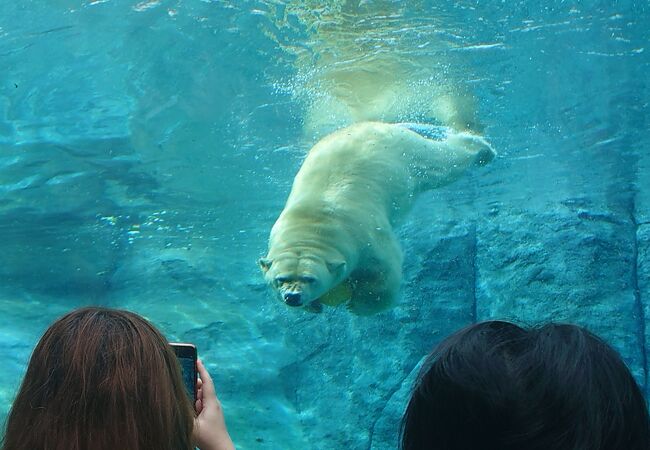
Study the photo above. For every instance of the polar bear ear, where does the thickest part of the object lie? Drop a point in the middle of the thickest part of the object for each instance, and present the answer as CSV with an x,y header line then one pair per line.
x,y
336,268
265,264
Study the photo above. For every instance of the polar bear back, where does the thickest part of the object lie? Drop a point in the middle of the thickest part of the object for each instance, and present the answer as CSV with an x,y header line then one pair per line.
x,y
376,168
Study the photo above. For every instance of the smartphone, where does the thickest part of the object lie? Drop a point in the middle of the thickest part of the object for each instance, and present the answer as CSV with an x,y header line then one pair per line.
x,y
186,354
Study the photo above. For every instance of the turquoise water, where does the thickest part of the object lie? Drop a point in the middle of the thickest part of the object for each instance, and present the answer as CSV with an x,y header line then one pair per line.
x,y
146,149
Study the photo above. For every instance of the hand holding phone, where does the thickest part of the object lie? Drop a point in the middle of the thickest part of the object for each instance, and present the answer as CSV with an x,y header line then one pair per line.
x,y
210,430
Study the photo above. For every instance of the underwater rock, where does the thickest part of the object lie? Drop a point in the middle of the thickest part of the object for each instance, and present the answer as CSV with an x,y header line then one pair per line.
x,y
62,255
62,205
643,276
560,266
642,191
385,432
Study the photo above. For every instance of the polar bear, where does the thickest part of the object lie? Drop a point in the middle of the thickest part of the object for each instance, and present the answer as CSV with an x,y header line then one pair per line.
x,y
334,242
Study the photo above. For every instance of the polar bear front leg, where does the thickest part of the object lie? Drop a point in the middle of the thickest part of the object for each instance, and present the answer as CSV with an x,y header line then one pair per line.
x,y
374,291
376,282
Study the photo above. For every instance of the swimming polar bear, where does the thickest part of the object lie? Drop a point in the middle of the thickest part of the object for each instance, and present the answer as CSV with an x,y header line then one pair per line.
x,y
334,242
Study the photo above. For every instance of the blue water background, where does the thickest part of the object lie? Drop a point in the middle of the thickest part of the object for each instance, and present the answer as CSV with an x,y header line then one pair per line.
x,y
146,148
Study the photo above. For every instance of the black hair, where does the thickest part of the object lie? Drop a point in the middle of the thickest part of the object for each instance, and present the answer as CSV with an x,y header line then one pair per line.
x,y
497,386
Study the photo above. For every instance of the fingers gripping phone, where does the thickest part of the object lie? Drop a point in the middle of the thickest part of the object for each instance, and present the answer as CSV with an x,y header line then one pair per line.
x,y
186,354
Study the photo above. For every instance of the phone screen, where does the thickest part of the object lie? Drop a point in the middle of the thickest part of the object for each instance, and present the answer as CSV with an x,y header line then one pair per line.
x,y
186,354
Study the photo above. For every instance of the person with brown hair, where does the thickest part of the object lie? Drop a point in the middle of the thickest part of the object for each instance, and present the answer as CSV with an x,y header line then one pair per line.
x,y
107,379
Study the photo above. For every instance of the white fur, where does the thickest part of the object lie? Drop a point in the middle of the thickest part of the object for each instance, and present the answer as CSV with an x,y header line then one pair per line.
x,y
352,188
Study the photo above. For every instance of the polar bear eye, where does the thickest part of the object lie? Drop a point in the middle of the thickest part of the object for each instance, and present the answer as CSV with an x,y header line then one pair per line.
x,y
281,280
308,279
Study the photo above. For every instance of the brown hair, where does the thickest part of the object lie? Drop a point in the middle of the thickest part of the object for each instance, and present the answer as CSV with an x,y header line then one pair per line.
x,y
101,379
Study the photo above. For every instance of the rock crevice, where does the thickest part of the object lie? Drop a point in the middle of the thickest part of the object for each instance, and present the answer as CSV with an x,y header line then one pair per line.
x,y
639,303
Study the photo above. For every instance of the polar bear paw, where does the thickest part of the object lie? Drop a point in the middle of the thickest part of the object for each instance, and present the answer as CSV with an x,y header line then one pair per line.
x,y
475,144
472,143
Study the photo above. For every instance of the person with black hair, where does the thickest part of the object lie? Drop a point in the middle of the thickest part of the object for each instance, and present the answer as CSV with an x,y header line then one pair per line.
x,y
497,386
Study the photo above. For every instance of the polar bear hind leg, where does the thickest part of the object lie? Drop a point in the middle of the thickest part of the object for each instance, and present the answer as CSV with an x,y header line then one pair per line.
x,y
460,144
443,155
474,144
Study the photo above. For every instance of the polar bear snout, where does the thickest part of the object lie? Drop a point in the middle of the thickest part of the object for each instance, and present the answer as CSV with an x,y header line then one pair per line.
x,y
292,292
292,298
295,284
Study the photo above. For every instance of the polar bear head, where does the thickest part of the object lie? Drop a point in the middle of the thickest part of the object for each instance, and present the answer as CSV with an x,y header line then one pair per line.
x,y
301,278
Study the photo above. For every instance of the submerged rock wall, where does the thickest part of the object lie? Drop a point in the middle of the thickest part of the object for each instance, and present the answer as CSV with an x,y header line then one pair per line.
x,y
568,265
642,246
